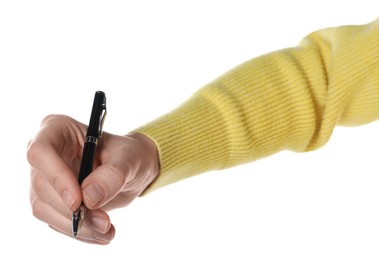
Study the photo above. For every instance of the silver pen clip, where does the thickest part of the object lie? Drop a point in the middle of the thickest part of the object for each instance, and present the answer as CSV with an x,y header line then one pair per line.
x,y
103,114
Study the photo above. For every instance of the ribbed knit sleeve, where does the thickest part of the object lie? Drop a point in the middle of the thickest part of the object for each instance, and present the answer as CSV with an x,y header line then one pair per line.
x,y
290,99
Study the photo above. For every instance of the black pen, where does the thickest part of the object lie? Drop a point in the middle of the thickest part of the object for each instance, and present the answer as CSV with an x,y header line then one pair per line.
x,y
94,131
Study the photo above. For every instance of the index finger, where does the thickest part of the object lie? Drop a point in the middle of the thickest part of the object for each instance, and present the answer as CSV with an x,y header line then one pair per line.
x,y
45,158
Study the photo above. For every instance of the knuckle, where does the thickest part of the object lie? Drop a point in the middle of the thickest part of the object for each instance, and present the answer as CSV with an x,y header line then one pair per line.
x,y
115,173
58,183
51,117
38,183
34,151
37,204
35,146
38,208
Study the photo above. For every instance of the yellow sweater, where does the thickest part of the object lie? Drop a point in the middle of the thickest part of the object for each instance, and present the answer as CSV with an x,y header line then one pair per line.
x,y
290,99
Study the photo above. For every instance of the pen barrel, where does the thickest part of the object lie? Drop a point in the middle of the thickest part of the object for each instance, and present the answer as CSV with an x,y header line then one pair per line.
x,y
88,156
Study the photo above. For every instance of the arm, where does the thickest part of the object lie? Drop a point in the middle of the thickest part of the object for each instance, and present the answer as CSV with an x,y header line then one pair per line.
x,y
291,99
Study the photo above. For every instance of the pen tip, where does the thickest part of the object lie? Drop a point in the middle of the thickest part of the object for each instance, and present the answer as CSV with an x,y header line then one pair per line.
x,y
77,220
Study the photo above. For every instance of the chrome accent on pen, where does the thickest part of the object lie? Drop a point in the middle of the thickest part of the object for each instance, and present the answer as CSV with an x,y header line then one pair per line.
x,y
91,139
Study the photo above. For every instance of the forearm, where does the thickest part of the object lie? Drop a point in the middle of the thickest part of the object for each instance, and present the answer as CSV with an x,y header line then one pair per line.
x,y
290,99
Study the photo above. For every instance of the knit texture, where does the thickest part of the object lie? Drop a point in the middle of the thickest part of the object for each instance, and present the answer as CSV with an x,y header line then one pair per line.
x,y
290,99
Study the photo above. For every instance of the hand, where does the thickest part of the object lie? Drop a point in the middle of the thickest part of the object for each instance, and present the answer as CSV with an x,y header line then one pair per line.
x,y
124,166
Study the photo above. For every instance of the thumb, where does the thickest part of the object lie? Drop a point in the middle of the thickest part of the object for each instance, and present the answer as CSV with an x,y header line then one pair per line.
x,y
102,185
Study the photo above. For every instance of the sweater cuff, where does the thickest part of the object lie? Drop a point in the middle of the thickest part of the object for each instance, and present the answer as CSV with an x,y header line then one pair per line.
x,y
190,140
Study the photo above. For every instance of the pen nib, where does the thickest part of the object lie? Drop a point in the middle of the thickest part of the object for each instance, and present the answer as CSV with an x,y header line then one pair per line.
x,y
77,220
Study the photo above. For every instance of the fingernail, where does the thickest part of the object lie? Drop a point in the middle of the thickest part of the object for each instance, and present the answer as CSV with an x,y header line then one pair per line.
x,y
68,199
99,224
93,194
104,238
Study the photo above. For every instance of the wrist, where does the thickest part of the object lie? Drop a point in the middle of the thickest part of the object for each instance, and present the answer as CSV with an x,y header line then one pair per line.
x,y
151,156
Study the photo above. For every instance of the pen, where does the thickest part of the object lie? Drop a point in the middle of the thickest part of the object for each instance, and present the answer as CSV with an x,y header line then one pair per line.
x,y
94,131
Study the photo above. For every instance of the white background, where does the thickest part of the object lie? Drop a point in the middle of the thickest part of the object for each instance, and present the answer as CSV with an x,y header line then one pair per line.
x,y
149,56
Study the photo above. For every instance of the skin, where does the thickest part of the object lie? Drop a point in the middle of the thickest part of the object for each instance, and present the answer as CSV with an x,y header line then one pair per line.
x,y
124,166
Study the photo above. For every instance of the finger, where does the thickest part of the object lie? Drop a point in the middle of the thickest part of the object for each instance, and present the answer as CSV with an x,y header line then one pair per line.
x,y
87,232
96,238
97,220
46,213
41,189
102,185
45,159
63,224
